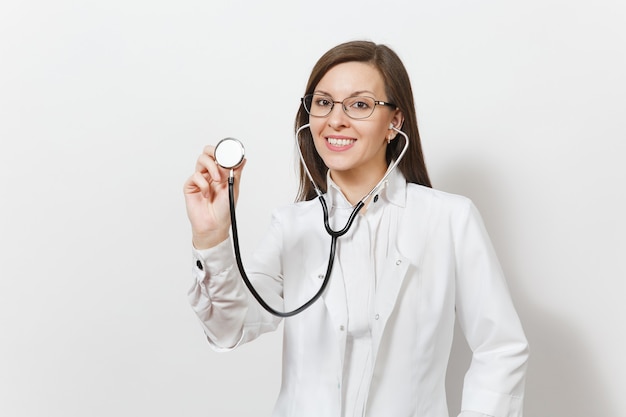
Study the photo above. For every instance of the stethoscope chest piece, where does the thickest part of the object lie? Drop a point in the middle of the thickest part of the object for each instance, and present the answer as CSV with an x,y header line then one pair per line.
x,y
229,153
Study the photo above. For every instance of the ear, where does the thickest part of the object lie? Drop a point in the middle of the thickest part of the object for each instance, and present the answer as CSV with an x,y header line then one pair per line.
x,y
396,122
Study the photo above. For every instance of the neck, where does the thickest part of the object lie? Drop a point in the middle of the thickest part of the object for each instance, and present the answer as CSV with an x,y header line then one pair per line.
x,y
355,185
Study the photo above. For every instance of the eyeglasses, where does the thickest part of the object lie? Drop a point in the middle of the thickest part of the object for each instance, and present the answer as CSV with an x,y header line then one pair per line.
x,y
357,107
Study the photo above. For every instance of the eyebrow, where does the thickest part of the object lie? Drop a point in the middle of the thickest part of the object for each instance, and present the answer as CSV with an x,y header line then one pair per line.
x,y
353,94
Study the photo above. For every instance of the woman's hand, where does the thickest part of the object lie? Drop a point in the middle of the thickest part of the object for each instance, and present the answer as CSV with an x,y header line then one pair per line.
x,y
206,198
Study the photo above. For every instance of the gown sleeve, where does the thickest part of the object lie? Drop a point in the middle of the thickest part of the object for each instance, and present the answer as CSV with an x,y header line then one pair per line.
x,y
228,313
494,382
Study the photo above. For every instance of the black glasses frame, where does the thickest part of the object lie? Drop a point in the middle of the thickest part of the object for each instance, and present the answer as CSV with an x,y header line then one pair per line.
x,y
343,106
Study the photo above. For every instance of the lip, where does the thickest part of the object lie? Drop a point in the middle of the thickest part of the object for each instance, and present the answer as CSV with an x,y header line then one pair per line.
x,y
338,143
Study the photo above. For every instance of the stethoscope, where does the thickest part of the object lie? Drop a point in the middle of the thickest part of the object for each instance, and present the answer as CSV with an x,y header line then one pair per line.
x,y
229,154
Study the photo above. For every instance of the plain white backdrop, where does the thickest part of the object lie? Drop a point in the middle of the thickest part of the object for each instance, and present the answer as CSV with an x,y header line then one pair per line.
x,y
104,107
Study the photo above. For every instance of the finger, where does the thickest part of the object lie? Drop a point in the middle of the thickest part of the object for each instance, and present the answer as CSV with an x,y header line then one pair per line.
x,y
197,183
209,150
206,164
217,172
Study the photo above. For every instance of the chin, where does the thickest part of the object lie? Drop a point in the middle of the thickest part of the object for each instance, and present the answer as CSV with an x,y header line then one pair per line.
x,y
335,163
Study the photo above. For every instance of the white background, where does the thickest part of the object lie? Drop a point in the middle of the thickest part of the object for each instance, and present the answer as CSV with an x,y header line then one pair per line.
x,y
104,106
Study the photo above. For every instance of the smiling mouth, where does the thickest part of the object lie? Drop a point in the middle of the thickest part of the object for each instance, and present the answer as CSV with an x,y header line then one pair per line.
x,y
340,142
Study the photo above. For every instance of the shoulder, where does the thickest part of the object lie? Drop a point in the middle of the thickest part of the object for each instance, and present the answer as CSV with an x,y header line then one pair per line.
x,y
297,212
446,214
438,200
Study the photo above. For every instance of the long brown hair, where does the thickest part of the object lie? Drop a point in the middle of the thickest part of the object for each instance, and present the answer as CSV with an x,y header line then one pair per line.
x,y
399,92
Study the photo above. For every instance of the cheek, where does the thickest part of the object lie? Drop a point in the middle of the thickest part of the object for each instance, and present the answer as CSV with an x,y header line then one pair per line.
x,y
316,126
384,131
316,131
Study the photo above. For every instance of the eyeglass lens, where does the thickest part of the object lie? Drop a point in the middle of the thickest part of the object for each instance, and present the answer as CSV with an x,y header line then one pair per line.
x,y
359,107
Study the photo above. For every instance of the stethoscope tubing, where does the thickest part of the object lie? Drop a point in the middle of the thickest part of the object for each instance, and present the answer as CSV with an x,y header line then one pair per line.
x,y
334,234
244,276
391,167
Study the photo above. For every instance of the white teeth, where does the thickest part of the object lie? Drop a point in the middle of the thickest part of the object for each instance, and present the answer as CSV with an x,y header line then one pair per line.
x,y
340,142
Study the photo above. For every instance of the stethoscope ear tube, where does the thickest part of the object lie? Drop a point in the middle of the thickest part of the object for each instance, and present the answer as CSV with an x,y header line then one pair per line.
x,y
306,168
244,276
334,234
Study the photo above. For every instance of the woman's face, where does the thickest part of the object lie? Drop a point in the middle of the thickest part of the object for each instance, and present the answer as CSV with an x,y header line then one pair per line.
x,y
354,148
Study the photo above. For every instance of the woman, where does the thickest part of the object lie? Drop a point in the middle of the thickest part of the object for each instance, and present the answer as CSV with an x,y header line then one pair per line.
x,y
377,343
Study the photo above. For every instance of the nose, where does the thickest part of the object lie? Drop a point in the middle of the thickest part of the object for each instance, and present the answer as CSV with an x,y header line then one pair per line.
x,y
337,118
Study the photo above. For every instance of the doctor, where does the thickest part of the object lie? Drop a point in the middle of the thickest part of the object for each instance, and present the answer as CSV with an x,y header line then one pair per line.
x,y
377,343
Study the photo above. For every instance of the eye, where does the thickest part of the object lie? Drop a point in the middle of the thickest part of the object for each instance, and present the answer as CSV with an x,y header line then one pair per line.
x,y
359,103
323,102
